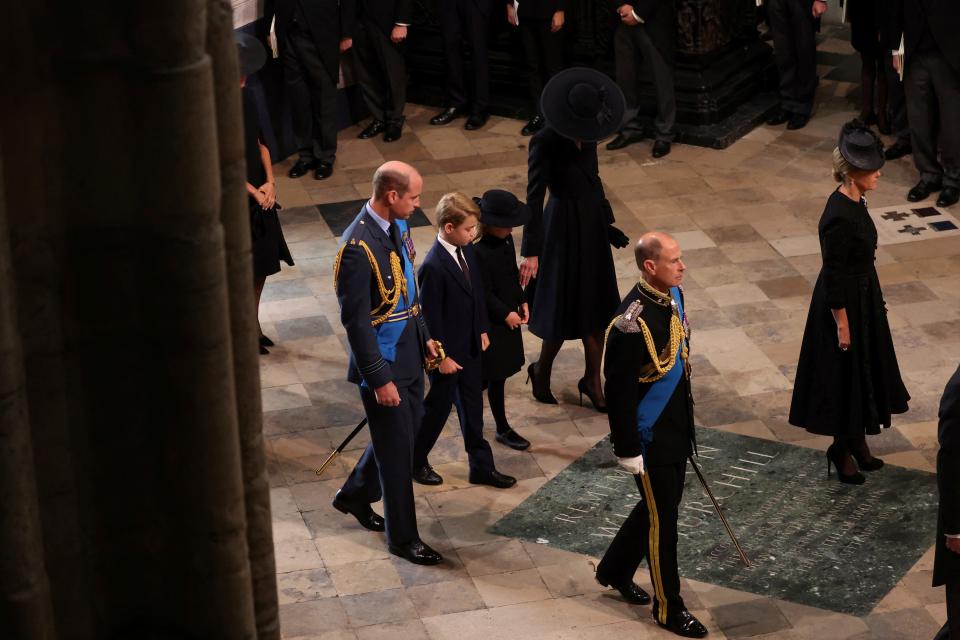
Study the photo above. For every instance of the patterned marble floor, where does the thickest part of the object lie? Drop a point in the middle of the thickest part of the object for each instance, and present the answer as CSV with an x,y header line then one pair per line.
x,y
746,219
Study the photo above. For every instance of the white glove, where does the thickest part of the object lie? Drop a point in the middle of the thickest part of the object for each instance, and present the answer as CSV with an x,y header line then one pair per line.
x,y
633,465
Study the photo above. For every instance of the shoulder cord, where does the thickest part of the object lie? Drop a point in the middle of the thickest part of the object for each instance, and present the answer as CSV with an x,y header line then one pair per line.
x,y
660,367
389,297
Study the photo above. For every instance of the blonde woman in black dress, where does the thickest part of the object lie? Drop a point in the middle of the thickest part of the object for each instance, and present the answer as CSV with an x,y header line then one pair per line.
x,y
848,382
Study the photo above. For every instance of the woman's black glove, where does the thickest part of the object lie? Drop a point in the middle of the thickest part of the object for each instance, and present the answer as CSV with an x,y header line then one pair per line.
x,y
617,238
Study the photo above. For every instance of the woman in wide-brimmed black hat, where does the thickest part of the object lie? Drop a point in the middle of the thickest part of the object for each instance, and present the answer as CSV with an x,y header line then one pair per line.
x,y
566,245
848,382
268,244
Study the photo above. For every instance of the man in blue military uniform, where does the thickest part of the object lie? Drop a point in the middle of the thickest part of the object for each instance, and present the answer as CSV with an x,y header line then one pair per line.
x,y
650,410
389,342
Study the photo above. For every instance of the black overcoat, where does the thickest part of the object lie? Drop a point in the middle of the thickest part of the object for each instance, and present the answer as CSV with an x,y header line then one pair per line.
x,y
501,285
946,564
386,13
910,18
847,393
576,287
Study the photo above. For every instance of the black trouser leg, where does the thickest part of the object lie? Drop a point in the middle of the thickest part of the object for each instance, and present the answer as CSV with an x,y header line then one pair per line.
x,y
924,115
386,464
946,83
453,52
795,52
383,71
629,547
495,394
543,55
953,609
315,120
468,398
436,410
627,59
896,102
662,82
475,30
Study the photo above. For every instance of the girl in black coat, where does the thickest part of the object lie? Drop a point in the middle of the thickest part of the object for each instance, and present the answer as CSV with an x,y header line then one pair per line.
x,y
507,308
848,382
566,244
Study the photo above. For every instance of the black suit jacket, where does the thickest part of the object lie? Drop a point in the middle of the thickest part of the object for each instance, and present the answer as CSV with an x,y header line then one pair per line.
x,y
482,5
455,311
946,565
625,359
385,13
359,295
942,17
659,19
538,9
329,21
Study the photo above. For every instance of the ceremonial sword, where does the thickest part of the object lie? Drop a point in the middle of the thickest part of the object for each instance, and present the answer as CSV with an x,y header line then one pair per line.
x,y
342,446
716,505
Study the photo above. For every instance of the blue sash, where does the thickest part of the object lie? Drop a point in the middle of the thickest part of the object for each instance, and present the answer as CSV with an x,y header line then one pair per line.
x,y
388,333
660,392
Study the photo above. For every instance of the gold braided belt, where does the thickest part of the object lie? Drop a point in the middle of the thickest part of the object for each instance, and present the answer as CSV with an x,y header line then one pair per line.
x,y
389,297
659,366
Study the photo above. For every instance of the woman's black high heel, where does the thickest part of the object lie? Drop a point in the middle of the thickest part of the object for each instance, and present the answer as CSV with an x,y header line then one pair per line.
x,y
835,457
584,389
866,465
538,394
265,341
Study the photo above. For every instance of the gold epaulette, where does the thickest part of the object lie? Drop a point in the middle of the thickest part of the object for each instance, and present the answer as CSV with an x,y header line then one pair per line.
x,y
389,297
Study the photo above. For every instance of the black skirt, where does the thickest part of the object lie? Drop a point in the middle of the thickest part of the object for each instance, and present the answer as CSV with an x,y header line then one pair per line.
x,y
267,242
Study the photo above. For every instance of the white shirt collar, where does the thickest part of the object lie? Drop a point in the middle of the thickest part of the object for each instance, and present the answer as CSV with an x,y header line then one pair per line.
x,y
451,248
383,224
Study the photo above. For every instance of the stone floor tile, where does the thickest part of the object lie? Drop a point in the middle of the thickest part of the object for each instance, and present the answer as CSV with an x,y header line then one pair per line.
x,y
284,397
312,617
750,618
448,596
407,630
412,575
338,634
378,607
511,587
905,624
572,578
364,577
300,586
296,555
495,557
347,548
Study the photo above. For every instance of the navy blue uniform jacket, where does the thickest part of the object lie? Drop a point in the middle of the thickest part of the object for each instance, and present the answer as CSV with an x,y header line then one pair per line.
x,y
359,294
455,311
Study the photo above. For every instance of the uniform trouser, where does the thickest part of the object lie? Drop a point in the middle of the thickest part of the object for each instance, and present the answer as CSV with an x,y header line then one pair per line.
x,y
650,531
459,20
542,55
933,102
951,628
383,71
631,43
313,97
463,389
795,50
896,102
385,468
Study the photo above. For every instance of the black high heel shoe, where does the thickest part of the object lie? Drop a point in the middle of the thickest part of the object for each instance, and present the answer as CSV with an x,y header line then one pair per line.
x,y
265,341
866,465
584,389
835,457
538,394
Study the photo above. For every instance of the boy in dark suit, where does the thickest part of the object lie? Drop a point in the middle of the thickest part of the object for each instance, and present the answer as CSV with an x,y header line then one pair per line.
x,y
946,564
453,305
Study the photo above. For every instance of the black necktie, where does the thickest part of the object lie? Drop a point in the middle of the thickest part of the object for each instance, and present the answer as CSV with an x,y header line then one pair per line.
x,y
397,241
463,265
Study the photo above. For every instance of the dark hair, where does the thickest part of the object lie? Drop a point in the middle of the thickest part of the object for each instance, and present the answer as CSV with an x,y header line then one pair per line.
x,y
386,180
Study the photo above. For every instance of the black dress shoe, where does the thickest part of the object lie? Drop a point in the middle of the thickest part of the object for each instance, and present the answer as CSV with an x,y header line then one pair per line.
x,y
661,148
393,131
513,440
535,124
426,475
797,121
492,478
447,116
416,552
301,167
948,197
265,341
476,121
778,117
898,149
922,190
366,516
324,170
630,591
622,140
374,128
682,623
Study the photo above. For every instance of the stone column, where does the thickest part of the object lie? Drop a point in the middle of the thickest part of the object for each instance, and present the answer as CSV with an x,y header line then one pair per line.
x,y
126,232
